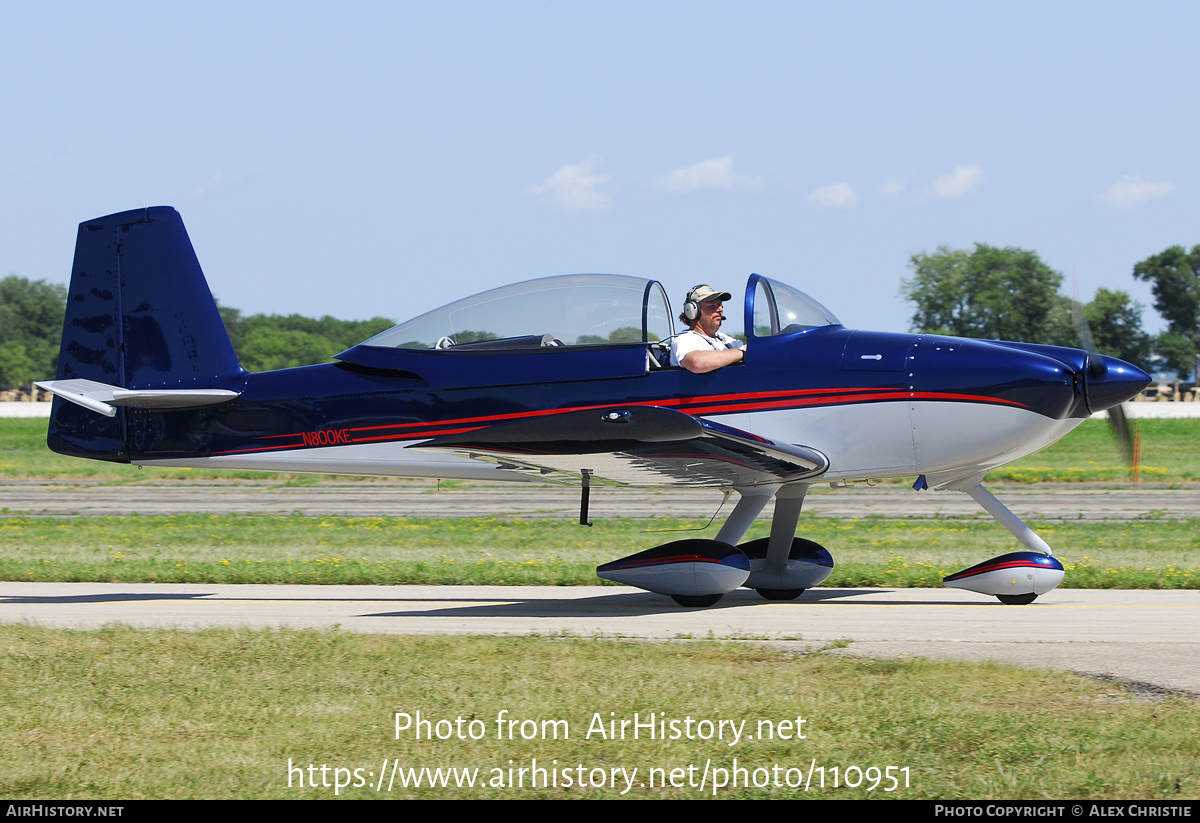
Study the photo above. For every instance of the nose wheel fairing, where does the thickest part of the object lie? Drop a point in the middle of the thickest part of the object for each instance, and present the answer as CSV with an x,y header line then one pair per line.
x,y
1016,578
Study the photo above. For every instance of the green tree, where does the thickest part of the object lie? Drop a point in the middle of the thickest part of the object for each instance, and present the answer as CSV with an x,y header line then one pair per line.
x,y
31,321
17,369
1059,328
1010,294
266,348
990,292
274,341
232,318
1115,322
1174,275
1178,353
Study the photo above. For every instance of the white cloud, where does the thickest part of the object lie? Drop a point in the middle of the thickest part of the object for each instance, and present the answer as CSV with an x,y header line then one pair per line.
x,y
893,187
574,187
213,183
959,183
714,173
838,196
1131,189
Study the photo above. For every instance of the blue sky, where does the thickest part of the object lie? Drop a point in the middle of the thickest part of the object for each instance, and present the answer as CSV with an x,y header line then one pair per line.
x,y
361,159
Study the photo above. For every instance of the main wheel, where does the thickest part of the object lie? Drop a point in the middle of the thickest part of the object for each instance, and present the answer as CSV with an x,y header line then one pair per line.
x,y
696,601
780,594
1016,599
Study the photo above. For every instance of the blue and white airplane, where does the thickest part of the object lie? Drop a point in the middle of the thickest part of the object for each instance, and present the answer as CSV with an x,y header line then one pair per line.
x,y
568,379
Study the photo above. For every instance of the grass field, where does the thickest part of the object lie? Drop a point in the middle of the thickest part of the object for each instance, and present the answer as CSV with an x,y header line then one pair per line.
x,y
132,714
490,551
1170,454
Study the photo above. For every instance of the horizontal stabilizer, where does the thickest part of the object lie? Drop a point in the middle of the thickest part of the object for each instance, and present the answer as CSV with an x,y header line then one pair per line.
x,y
103,398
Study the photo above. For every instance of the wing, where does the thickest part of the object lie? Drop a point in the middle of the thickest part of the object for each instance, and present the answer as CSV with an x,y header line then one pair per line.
x,y
635,445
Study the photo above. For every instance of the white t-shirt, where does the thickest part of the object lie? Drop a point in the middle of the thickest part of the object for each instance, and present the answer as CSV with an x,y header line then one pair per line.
x,y
694,340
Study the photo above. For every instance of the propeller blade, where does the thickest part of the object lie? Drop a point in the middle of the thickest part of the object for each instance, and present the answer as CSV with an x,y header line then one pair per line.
x,y
1121,427
1117,421
1080,324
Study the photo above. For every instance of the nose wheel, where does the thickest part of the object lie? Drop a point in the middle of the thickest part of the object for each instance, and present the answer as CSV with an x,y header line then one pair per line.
x,y
1016,599
696,601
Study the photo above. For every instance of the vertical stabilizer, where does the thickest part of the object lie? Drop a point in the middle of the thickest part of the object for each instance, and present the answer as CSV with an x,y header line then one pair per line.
x,y
139,316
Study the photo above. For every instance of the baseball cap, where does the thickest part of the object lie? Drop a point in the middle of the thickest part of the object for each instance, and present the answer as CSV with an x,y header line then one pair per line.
x,y
702,294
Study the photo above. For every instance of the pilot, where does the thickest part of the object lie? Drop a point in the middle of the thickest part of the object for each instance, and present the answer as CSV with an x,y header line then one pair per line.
x,y
703,348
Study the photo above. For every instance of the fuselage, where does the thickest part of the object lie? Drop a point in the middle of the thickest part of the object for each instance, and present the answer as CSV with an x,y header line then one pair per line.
x,y
876,404
148,375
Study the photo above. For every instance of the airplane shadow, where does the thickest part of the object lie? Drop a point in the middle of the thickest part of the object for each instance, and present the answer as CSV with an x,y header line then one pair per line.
x,y
120,597
618,603
637,604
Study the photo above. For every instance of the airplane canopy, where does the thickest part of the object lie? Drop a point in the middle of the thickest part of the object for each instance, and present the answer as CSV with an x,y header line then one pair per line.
x,y
587,310
569,310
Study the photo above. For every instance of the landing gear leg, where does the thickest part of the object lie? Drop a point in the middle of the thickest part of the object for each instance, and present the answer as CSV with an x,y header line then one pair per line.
x,y
782,566
1008,520
751,502
788,503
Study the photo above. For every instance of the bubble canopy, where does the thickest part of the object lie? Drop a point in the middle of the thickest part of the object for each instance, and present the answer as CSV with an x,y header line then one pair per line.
x,y
587,310
568,310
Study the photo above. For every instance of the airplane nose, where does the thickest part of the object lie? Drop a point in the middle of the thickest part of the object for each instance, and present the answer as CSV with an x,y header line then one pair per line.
x,y
1110,382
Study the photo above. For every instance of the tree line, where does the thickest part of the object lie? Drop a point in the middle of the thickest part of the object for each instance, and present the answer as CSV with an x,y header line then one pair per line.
x,y
274,341
985,292
31,321
1010,294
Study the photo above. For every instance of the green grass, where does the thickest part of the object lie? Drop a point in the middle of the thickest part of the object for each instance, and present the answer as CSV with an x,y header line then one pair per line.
x,y
489,551
1170,452
127,714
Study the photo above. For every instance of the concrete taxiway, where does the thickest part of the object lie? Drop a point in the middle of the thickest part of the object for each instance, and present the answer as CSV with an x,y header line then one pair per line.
x,y
1150,639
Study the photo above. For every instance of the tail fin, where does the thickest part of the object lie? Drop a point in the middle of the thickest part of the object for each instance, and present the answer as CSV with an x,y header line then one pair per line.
x,y
139,316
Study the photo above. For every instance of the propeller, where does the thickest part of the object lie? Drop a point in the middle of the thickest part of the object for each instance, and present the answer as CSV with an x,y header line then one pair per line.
x,y
1118,421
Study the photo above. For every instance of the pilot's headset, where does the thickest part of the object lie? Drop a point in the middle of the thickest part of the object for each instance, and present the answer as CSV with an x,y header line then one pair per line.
x,y
691,306
697,295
